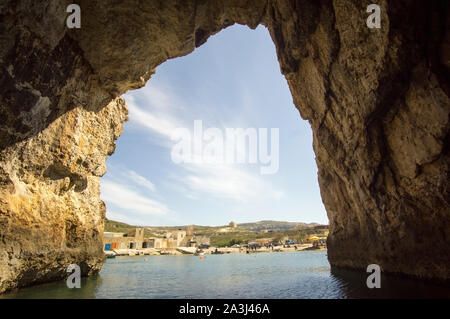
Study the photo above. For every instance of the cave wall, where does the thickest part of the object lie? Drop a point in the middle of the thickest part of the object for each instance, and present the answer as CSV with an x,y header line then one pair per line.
x,y
376,99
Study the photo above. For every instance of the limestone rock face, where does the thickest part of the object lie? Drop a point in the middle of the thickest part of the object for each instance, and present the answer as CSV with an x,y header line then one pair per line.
x,y
377,101
51,212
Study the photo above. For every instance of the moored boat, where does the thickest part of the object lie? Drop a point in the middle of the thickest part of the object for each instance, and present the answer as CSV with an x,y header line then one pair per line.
x,y
110,254
199,252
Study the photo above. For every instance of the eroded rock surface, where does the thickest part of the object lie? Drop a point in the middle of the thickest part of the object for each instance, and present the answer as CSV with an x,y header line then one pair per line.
x,y
377,101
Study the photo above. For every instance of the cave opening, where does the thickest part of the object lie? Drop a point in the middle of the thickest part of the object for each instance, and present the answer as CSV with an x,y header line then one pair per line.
x,y
377,101
172,165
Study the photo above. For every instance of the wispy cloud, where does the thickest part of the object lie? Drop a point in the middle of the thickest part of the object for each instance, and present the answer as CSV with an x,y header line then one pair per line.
x,y
140,180
121,175
157,123
227,181
132,198
128,199
156,110
152,109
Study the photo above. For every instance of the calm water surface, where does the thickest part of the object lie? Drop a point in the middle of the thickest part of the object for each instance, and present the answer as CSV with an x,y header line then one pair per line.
x,y
304,274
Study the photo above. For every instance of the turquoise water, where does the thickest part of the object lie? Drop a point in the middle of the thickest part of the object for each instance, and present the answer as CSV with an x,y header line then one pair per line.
x,y
304,274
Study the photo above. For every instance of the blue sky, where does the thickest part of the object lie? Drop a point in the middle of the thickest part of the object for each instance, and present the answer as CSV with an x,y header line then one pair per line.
x,y
232,81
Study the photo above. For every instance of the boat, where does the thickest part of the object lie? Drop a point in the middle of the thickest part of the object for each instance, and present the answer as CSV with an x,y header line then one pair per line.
x,y
110,254
199,252
187,250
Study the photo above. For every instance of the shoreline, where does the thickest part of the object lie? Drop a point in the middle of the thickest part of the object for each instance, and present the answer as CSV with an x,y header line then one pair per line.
x,y
191,251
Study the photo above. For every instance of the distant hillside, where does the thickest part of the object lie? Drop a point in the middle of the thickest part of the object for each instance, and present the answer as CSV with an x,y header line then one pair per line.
x,y
116,227
269,225
221,236
119,227
275,225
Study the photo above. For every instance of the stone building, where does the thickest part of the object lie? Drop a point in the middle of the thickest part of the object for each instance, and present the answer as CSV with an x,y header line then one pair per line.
x,y
202,240
232,224
135,239
190,230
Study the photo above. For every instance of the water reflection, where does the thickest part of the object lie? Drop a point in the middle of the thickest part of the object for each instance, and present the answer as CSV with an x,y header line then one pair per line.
x,y
265,275
59,290
353,285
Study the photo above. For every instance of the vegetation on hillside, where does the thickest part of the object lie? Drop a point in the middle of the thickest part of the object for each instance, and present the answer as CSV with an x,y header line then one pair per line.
x,y
230,238
222,236
118,227
274,225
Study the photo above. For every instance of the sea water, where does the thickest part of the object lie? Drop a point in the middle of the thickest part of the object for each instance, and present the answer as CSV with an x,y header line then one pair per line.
x,y
302,274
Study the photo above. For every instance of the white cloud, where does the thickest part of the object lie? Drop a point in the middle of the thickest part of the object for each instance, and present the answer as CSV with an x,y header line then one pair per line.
x,y
140,180
157,123
160,115
155,114
126,198
120,174
228,181
157,98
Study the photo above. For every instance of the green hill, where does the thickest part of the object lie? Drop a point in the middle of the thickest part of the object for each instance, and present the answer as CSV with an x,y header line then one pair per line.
x,y
224,236
119,227
275,225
